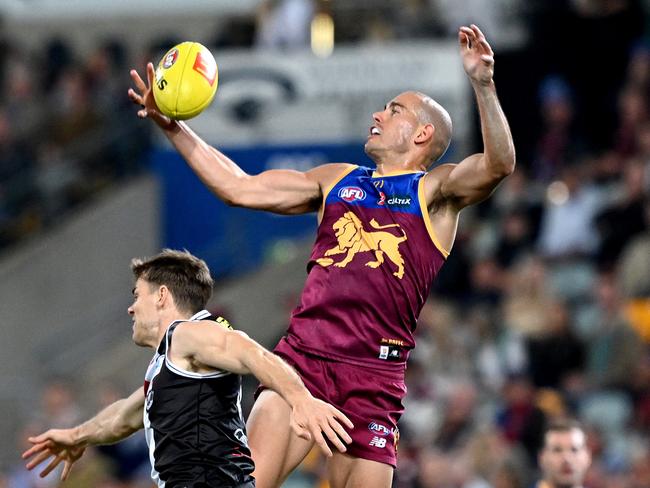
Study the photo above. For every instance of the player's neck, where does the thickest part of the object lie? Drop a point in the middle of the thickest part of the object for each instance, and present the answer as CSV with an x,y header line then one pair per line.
x,y
393,163
387,168
166,318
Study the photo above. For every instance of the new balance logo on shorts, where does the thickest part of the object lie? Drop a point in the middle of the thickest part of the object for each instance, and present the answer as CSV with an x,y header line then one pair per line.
x,y
379,442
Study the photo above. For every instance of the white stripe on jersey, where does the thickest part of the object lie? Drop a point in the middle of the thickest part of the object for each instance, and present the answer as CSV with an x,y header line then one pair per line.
x,y
154,368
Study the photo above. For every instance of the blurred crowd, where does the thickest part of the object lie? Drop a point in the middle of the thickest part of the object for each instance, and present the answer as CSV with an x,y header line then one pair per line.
x,y
543,308
66,132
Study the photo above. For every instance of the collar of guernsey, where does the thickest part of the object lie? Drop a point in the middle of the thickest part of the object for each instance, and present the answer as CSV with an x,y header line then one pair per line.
x,y
398,191
370,270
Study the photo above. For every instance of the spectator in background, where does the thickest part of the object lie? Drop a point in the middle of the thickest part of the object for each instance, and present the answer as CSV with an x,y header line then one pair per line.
x,y
641,394
58,181
21,86
17,185
57,59
632,112
519,419
284,24
564,457
458,422
623,219
487,282
557,352
643,154
498,352
529,298
634,261
567,229
559,143
615,349
634,279
515,237
58,404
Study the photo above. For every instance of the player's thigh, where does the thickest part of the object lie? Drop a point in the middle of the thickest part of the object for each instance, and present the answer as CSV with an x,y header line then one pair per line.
x,y
275,448
350,472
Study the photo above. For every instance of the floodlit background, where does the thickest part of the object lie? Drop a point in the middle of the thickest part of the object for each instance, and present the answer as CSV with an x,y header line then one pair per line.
x,y
542,310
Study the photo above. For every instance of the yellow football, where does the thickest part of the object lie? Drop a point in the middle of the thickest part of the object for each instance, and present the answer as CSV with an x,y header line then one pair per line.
x,y
186,81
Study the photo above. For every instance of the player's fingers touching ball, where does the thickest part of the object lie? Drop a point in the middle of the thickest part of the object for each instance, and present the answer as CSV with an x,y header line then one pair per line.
x,y
185,81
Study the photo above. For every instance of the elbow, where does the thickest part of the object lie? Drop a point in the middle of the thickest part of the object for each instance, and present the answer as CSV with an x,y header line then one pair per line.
x,y
508,168
231,200
232,195
504,167
510,161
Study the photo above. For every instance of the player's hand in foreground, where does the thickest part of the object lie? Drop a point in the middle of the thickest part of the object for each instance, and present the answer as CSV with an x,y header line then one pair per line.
x,y
59,444
144,97
312,418
477,55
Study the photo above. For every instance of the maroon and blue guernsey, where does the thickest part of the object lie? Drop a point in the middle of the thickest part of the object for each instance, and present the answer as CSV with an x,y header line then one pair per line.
x,y
370,270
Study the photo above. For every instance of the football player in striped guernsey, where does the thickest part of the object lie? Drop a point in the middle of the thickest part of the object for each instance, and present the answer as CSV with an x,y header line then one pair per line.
x,y
190,404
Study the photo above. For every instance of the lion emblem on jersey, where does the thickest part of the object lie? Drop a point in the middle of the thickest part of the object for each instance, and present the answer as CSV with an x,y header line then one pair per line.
x,y
353,238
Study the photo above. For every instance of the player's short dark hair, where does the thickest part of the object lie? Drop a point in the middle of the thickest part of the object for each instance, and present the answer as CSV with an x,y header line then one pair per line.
x,y
561,425
186,276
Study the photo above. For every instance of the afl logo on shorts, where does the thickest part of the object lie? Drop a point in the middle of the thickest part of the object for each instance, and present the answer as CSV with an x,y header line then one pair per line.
x,y
378,429
170,59
351,193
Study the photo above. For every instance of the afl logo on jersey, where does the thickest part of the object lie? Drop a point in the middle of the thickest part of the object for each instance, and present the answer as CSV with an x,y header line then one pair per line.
x,y
351,193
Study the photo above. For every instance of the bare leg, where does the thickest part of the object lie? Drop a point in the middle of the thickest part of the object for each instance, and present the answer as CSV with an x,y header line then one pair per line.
x,y
349,472
275,448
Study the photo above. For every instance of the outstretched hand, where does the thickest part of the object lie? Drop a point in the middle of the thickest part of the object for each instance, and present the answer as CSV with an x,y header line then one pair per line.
x,y
478,57
144,97
56,443
313,418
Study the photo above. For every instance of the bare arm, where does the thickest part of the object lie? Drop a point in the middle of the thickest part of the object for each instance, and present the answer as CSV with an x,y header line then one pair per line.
x,y
116,422
476,177
279,191
204,344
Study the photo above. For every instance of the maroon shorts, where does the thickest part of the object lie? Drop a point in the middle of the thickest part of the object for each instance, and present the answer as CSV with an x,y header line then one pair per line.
x,y
371,399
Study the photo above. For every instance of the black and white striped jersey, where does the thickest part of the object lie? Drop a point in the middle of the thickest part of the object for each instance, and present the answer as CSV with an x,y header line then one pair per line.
x,y
193,423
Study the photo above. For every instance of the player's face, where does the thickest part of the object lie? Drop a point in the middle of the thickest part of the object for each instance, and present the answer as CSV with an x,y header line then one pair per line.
x,y
144,313
394,127
565,458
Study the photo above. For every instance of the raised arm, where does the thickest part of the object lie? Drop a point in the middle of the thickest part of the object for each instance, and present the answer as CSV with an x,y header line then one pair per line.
x,y
215,347
116,422
476,177
279,191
